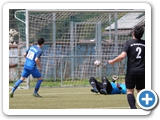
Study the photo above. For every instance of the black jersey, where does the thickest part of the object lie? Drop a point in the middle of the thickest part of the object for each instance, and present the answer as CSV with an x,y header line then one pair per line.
x,y
135,50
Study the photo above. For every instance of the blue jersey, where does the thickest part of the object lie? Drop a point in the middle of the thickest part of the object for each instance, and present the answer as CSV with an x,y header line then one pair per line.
x,y
115,89
32,53
123,90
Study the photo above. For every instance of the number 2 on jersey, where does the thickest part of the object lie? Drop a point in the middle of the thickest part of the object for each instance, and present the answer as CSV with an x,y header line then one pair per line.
x,y
30,55
139,50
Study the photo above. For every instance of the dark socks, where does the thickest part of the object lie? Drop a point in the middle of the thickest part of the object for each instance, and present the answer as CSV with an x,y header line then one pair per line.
x,y
92,81
93,85
37,86
16,85
104,83
131,101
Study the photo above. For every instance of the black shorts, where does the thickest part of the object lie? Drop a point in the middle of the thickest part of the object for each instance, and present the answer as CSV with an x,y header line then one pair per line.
x,y
135,81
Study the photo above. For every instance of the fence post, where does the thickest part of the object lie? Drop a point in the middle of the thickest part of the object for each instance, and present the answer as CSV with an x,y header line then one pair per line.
x,y
54,46
99,46
27,44
72,49
116,44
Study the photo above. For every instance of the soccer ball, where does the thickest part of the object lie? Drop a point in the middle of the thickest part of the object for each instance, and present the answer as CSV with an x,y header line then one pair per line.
x,y
97,63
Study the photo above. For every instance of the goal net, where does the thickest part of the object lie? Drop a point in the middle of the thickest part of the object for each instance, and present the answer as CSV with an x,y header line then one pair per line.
x,y
75,39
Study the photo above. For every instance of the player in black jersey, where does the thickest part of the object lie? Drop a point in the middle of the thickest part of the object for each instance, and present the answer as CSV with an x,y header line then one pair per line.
x,y
134,49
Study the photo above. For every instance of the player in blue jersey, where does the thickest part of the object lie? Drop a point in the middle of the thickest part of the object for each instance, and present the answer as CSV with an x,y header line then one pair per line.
x,y
107,87
32,56
134,49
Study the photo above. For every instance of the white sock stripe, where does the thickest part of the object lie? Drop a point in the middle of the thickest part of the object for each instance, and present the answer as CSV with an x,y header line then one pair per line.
x,y
92,82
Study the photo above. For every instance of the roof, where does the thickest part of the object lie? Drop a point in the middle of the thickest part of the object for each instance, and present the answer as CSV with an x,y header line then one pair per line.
x,y
128,21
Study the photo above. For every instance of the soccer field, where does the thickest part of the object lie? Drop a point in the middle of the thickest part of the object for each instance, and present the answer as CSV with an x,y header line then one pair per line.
x,y
66,98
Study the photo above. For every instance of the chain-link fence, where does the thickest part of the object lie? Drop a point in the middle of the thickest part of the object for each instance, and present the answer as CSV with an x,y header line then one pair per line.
x,y
73,41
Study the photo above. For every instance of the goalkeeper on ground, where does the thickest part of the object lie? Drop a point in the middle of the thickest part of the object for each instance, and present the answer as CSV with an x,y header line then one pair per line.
x,y
107,87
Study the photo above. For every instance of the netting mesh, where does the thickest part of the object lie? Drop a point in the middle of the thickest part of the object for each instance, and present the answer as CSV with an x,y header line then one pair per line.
x,y
74,40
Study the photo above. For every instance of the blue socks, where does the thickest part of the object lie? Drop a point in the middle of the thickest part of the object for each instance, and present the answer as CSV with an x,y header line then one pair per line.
x,y
20,81
16,85
38,86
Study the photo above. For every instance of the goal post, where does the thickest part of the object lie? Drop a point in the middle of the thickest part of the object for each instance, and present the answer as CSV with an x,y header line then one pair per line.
x,y
74,39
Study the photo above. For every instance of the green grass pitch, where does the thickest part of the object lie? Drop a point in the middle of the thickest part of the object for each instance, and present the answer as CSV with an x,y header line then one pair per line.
x,y
66,98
